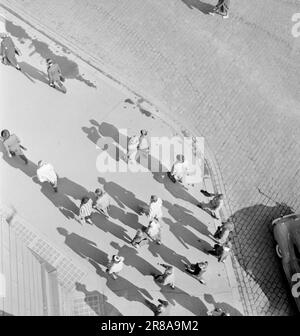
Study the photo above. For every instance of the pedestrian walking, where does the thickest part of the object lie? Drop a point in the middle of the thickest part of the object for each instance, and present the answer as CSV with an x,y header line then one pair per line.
x,y
132,150
179,169
9,51
213,205
46,173
55,75
154,231
221,8
12,145
167,278
221,251
154,209
85,210
102,202
115,266
143,145
197,270
141,238
163,309
223,231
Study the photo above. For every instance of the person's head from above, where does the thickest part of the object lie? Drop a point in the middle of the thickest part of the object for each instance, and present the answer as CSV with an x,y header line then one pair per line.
x,y
116,259
5,134
153,199
228,244
41,163
99,192
84,200
144,132
169,270
202,264
180,158
49,61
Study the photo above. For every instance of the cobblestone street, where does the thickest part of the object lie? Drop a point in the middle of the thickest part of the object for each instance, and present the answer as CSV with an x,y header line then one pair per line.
x,y
235,82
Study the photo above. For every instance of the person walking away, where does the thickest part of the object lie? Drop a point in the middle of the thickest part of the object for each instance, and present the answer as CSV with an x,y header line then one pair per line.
x,y
12,145
163,309
132,149
154,231
213,205
115,266
141,238
221,8
179,169
223,232
9,51
197,270
55,75
85,210
46,173
167,278
102,202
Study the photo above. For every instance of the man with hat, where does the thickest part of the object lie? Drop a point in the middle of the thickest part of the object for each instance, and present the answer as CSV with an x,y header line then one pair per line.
x,y
115,266
102,202
9,51
13,146
55,75
179,170
46,173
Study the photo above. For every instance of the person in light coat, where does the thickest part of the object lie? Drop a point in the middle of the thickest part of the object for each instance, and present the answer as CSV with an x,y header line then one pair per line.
x,y
9,51
179,170
154,231
55,75
132,149
12,145
46,173
85,210
115,266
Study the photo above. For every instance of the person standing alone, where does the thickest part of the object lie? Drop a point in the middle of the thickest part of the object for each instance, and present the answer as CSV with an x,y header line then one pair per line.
x,y
13,145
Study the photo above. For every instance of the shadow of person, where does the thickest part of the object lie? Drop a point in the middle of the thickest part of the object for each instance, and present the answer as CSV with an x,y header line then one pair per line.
x,y
254,250
189,302
177,190
134,260
122,196
97,301
92,134
59,200
33,73
122,287
183,216
203,7
83,247
169,256
69,68
223,305
129,219
106,225
185,236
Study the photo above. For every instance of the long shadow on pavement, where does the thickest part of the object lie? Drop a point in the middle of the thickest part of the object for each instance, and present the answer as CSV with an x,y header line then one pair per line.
x,y
254,249
122,287
129,219
33,73
69,68
133,259
203,7
83,247
223,305
183,215
97,302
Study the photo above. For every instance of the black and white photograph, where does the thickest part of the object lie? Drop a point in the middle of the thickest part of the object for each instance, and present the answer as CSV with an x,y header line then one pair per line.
x,y
150,160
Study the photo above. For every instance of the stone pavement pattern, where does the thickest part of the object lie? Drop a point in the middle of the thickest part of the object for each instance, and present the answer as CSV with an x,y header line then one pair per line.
x,y
235,82
64,130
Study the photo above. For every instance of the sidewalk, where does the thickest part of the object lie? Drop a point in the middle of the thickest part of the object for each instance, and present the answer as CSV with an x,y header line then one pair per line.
x,y
63,130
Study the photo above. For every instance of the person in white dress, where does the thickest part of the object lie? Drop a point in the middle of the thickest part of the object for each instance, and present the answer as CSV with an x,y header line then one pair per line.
x,y
115,266
46,173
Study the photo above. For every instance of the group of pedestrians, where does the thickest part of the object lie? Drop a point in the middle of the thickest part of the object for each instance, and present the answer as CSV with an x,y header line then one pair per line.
x,y
100,201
